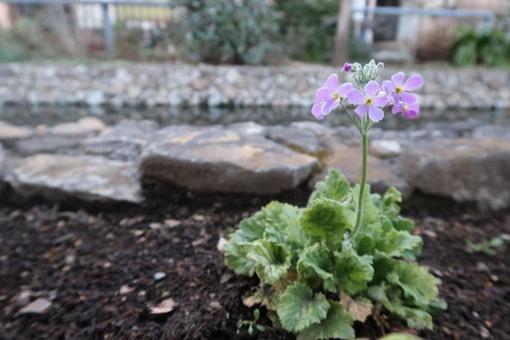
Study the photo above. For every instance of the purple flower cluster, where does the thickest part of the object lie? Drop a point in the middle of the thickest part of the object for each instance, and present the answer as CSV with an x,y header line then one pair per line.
x,y
372,99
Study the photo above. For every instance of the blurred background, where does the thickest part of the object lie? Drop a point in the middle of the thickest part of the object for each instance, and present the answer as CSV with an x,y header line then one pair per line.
x,y
464,32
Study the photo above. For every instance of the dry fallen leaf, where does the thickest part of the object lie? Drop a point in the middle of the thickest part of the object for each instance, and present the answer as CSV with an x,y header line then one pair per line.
x,y
359,309
38,306
164,307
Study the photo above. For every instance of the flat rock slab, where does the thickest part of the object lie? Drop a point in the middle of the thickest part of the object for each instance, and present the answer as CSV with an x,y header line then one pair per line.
x,y
83,177
467,170
9,132
123,141
216,159
298,139
347,159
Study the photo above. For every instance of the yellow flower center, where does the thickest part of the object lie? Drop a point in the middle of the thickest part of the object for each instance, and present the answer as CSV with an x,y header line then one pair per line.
x,y
369,101
398,90
336,96
404,108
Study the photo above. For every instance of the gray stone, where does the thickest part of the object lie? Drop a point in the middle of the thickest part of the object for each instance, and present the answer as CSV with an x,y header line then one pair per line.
x,y
9,132
347,159
82,127
215,159
384,148
492,131
248,128
318,129
300,140
83,177
124,141
45,144
467,170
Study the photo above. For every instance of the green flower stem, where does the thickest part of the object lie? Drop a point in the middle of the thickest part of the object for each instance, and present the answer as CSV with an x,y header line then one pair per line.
x,y
359,210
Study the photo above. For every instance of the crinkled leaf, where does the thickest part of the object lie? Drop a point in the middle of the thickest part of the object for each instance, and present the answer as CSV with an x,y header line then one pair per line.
x,y
391,202
315,262
327,220
299,307
403,223
353,272
359,309
272,260
335,186
392,301
416,282
383,238
236,259
399,244
337,325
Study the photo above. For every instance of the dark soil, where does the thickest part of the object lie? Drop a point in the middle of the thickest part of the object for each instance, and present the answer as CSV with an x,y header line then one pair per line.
x,y
80,259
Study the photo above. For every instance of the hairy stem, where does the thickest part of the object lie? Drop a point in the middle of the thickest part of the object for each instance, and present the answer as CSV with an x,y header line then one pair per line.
x,y
359,210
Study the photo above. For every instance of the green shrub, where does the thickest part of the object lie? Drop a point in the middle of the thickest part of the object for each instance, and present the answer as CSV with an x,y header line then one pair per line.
x,y
309,28
10,49
487,47
230,31
317,277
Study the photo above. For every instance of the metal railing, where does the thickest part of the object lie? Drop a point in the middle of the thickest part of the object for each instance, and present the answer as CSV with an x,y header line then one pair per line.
x,y
106,13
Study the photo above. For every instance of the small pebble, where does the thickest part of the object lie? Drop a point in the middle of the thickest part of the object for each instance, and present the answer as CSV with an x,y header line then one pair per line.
x,y
159,276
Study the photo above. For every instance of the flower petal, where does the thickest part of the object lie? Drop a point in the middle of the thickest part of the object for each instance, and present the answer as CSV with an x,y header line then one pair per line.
x,y
345,89
361,110
372,88
411,114
317,111
355,97
398,78
413,83
329,106
381,99
409,98
322,94
397,108
388,86
332,82
375,113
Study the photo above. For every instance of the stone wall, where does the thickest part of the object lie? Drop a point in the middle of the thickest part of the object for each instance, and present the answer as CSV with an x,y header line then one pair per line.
x,y
118,84
87,160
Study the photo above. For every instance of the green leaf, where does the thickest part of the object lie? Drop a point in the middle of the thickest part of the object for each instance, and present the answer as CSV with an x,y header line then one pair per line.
x,y
353,272
391,202
399,244
272,261
337,325
335,186
327,220
403,223
277,221
416,282
299,307
237,260
391,300
316,262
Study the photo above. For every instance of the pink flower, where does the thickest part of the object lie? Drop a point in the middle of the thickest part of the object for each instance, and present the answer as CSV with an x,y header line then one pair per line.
x,y
371,102
410,110
400,88
329,96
